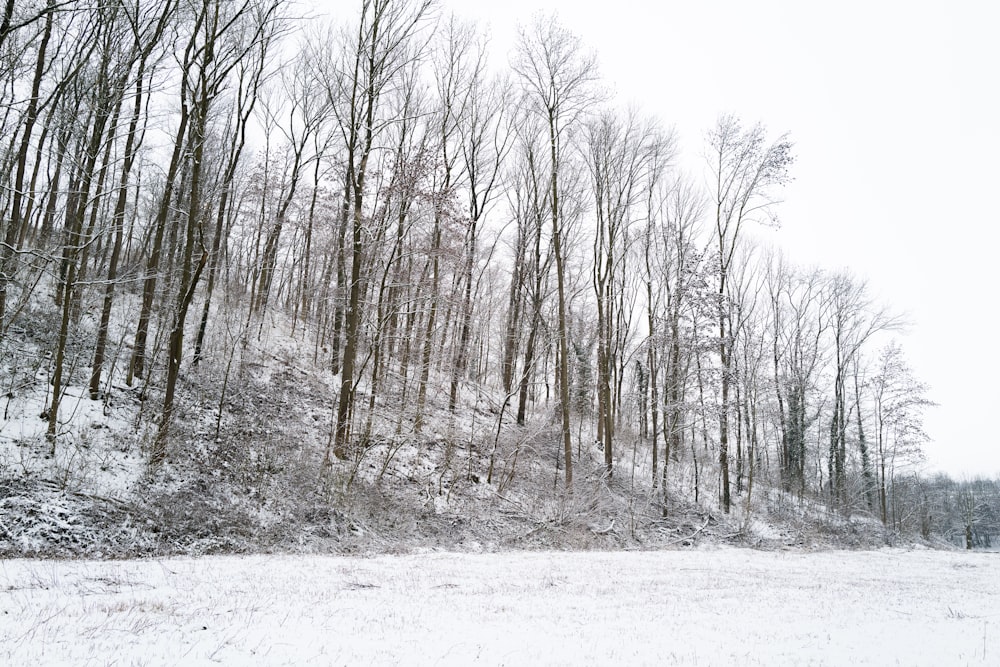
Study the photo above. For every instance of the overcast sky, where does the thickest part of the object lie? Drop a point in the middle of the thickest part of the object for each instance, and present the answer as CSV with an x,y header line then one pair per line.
x,y
894,110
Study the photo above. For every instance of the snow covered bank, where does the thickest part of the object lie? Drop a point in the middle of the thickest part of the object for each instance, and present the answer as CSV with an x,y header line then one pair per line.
x,y
706,607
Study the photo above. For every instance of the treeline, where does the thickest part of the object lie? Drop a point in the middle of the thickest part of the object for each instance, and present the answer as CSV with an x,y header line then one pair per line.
x,y
446,234
966,513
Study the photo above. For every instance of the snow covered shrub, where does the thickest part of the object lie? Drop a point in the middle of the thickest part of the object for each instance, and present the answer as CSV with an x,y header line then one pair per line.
x,y
39,518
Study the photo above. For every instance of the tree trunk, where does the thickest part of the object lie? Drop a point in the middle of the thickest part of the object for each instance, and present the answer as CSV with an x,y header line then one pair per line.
x,y
132,142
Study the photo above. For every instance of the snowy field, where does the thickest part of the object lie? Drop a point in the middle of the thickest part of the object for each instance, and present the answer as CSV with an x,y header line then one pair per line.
x,y
700,607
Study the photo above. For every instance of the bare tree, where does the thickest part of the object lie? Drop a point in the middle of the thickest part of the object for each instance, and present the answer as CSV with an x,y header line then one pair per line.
x,y
104,99
191,50
854,319
487,137
799,319
746,326
684,285
745,169
529,287
557,76
17,219
452,83
369,63
619,153
305,112
899,401
249,76
221,48
148,30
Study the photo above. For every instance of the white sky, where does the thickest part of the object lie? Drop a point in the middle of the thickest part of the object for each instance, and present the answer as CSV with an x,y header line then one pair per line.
x,y
894,109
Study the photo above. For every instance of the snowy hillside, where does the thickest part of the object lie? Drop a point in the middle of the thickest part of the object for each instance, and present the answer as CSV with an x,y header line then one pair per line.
x,y
245,472
366,287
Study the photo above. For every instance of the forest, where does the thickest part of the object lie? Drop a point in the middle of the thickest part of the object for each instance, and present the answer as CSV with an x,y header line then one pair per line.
x,y
268,278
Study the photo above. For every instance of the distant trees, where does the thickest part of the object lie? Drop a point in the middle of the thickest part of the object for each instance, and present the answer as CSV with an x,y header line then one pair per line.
x,y
964,512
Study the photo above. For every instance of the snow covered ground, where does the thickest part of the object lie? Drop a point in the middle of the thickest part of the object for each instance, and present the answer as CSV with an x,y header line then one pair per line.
x,y
701,607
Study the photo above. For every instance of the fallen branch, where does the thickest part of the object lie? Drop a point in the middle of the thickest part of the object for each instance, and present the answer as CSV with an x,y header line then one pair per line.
x,y
516,504
693,535
604,531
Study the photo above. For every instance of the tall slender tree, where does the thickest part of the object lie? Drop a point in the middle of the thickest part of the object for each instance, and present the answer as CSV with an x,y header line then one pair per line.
x,y
228,32
557,75
745,168
369,62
